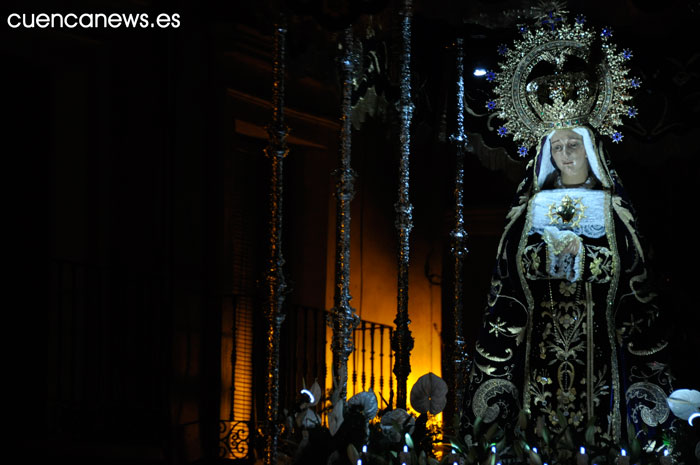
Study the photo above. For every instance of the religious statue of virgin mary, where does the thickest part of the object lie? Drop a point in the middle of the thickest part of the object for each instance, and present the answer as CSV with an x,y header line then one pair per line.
x,y
571,332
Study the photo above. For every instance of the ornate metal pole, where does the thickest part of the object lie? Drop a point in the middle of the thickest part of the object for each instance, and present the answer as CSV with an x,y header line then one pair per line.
x,y
275,284
343,317
459,238
402,342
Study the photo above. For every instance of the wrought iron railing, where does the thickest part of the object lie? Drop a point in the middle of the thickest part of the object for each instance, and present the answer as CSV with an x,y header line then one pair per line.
x,y
372,361
235,439
305,355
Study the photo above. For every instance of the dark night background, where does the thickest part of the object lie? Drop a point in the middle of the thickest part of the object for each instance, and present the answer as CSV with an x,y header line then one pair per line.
x,y
134,176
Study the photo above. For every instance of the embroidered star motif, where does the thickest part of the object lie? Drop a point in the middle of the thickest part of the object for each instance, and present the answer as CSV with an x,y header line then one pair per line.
x,y
633,325
497,327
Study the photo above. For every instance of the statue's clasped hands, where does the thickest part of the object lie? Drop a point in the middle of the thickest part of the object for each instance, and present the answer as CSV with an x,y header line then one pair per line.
x,y
562,242
570,245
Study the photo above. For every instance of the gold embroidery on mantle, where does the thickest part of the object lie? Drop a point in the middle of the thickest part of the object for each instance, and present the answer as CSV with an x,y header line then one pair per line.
x,y
616,421
658,348
601,264
590,350
528,296
480,350
486,392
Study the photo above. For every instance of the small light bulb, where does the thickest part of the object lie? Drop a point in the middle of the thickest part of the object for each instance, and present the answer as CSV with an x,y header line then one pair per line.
x,y
582,450
405,449
623,452
666,452
534,449
359,461
493,449
478,72
364,449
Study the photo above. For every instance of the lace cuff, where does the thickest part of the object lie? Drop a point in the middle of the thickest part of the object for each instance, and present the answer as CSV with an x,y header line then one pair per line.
x,y
559,264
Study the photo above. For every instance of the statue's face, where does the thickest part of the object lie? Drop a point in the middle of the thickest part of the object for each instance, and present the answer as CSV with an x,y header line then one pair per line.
x,y
569,154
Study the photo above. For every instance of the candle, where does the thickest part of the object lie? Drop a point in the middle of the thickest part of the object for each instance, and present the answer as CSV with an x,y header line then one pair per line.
x,y
582,457
452,457
532,457
404,456
623,459
666,459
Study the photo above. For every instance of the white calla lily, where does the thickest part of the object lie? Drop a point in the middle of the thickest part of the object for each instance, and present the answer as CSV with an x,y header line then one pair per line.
x,y
307,419
684,403
393,422
335,419
368,401
429,394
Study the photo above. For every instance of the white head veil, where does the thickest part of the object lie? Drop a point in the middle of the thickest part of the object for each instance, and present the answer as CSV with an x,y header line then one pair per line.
x,y
594,161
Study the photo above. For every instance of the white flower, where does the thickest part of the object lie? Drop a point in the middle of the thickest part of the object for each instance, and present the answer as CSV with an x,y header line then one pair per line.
x,y
338,382
684,403
335,419
368,401
307,419
394,422
429,394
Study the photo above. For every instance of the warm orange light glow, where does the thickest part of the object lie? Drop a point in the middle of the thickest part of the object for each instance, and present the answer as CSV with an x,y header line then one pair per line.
x,y
236,404
373,287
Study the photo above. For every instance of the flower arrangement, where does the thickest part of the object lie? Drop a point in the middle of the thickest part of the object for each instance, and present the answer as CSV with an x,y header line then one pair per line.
x,y
358,433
